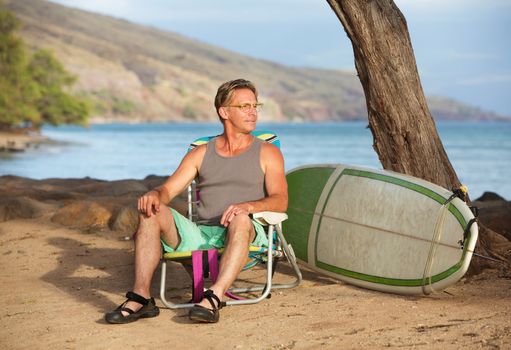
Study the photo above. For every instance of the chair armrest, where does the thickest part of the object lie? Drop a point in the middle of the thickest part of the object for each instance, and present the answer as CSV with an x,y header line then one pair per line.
x,y
269,217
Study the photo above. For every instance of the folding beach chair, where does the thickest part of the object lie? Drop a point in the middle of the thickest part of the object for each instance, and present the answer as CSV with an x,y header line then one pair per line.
x,y
202,261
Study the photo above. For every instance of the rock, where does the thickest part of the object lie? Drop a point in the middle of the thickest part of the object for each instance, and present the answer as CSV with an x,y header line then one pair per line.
x,y
71,184
21,208
489,196
40,190
114,188
124,220
15,181
83,214
497,218
153,181
48,195
122,187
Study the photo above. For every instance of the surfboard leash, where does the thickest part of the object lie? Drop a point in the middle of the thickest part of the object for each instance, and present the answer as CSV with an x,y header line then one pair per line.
x,y
460,193
437,236
488,258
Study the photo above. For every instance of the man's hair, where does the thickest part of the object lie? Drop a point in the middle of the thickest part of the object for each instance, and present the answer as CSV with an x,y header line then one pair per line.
x,y
226,90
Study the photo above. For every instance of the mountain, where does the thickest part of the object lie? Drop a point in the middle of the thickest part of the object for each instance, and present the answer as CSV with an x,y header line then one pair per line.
x,y
132,72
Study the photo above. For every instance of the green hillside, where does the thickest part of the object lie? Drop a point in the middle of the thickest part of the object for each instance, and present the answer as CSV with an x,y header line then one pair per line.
x,y
138,73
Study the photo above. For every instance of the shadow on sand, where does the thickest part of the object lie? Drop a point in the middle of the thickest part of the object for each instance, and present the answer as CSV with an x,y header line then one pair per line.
x,y
92,275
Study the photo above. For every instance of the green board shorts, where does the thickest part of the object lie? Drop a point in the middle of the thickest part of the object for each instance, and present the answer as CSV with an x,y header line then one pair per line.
x,y
203,237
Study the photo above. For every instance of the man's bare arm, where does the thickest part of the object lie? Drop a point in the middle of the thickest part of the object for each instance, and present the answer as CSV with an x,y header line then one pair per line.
x,y
174,185
272,163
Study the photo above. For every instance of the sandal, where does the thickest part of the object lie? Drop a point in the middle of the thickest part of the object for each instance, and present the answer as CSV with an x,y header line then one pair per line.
x,y
148,309
202,314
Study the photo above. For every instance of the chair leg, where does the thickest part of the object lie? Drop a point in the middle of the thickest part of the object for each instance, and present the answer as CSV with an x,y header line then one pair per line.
x,y
266,288
291,258
163,288
269,265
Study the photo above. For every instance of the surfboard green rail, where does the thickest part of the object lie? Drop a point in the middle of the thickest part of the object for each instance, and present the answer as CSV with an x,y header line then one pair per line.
x,y
305,188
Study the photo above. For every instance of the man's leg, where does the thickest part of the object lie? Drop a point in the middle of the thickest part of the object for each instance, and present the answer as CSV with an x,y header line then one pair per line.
x,y
240,233
148,250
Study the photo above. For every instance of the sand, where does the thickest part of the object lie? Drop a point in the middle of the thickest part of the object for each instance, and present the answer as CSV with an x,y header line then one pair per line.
x,y
57,282
65,262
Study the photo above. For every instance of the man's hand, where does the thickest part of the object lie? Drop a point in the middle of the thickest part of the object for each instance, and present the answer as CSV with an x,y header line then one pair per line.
x,y
149,203
232,211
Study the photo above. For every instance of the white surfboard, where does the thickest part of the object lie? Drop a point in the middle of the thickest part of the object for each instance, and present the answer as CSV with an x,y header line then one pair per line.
x,y
378,229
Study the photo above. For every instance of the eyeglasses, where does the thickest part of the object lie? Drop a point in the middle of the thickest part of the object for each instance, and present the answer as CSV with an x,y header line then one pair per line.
x,y
247,107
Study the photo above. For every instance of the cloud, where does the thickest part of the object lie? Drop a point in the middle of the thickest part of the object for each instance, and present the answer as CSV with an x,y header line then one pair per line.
x,y
442,5
472,56
486,79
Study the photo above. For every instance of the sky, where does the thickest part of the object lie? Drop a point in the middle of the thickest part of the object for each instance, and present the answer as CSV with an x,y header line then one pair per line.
x,y
462,47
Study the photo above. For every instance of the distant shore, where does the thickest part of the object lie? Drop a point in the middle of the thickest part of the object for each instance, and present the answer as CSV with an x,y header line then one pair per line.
x,y
21,140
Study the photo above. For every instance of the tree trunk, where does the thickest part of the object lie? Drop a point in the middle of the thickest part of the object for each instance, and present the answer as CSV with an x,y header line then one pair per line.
x,y
404,133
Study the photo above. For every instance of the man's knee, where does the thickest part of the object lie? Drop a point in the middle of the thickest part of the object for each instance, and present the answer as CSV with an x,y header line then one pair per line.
x,y
160,219
241,227
144,220
241,221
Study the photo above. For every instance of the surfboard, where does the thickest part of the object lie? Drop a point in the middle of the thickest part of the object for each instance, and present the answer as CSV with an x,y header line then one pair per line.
x,y
378,229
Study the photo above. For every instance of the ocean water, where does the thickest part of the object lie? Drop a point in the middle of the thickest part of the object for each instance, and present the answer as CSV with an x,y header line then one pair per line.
x,y
480,152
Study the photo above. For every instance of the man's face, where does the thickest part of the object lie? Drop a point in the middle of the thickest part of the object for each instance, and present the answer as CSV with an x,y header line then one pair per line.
x,y
240,119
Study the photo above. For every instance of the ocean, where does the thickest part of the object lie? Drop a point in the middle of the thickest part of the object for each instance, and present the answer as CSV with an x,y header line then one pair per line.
x,y
479,151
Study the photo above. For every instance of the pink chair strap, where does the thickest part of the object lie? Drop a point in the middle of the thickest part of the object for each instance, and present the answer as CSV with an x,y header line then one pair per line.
x,y
213,264
198,273
198,278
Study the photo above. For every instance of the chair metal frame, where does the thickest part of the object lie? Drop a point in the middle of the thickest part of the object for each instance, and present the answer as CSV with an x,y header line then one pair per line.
x,y
276,249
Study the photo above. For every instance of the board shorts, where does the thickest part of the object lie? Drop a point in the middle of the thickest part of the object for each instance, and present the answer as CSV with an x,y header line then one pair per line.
x,y
203,237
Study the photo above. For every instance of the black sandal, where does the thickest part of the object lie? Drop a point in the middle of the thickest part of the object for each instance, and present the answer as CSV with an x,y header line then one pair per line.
x,y
202,314
148,309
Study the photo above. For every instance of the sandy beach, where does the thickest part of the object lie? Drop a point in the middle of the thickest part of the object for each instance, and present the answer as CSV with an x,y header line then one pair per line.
x,y
19,141
66,261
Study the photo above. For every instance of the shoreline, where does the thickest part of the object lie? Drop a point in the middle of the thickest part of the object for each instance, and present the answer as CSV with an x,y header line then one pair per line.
x,y
21,140
69,141
100,121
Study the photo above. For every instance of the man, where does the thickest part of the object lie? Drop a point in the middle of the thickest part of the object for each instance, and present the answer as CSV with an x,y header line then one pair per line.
x,y
238,175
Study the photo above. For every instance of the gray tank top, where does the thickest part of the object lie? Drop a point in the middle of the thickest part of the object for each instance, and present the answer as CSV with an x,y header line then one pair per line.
x,y
228,180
